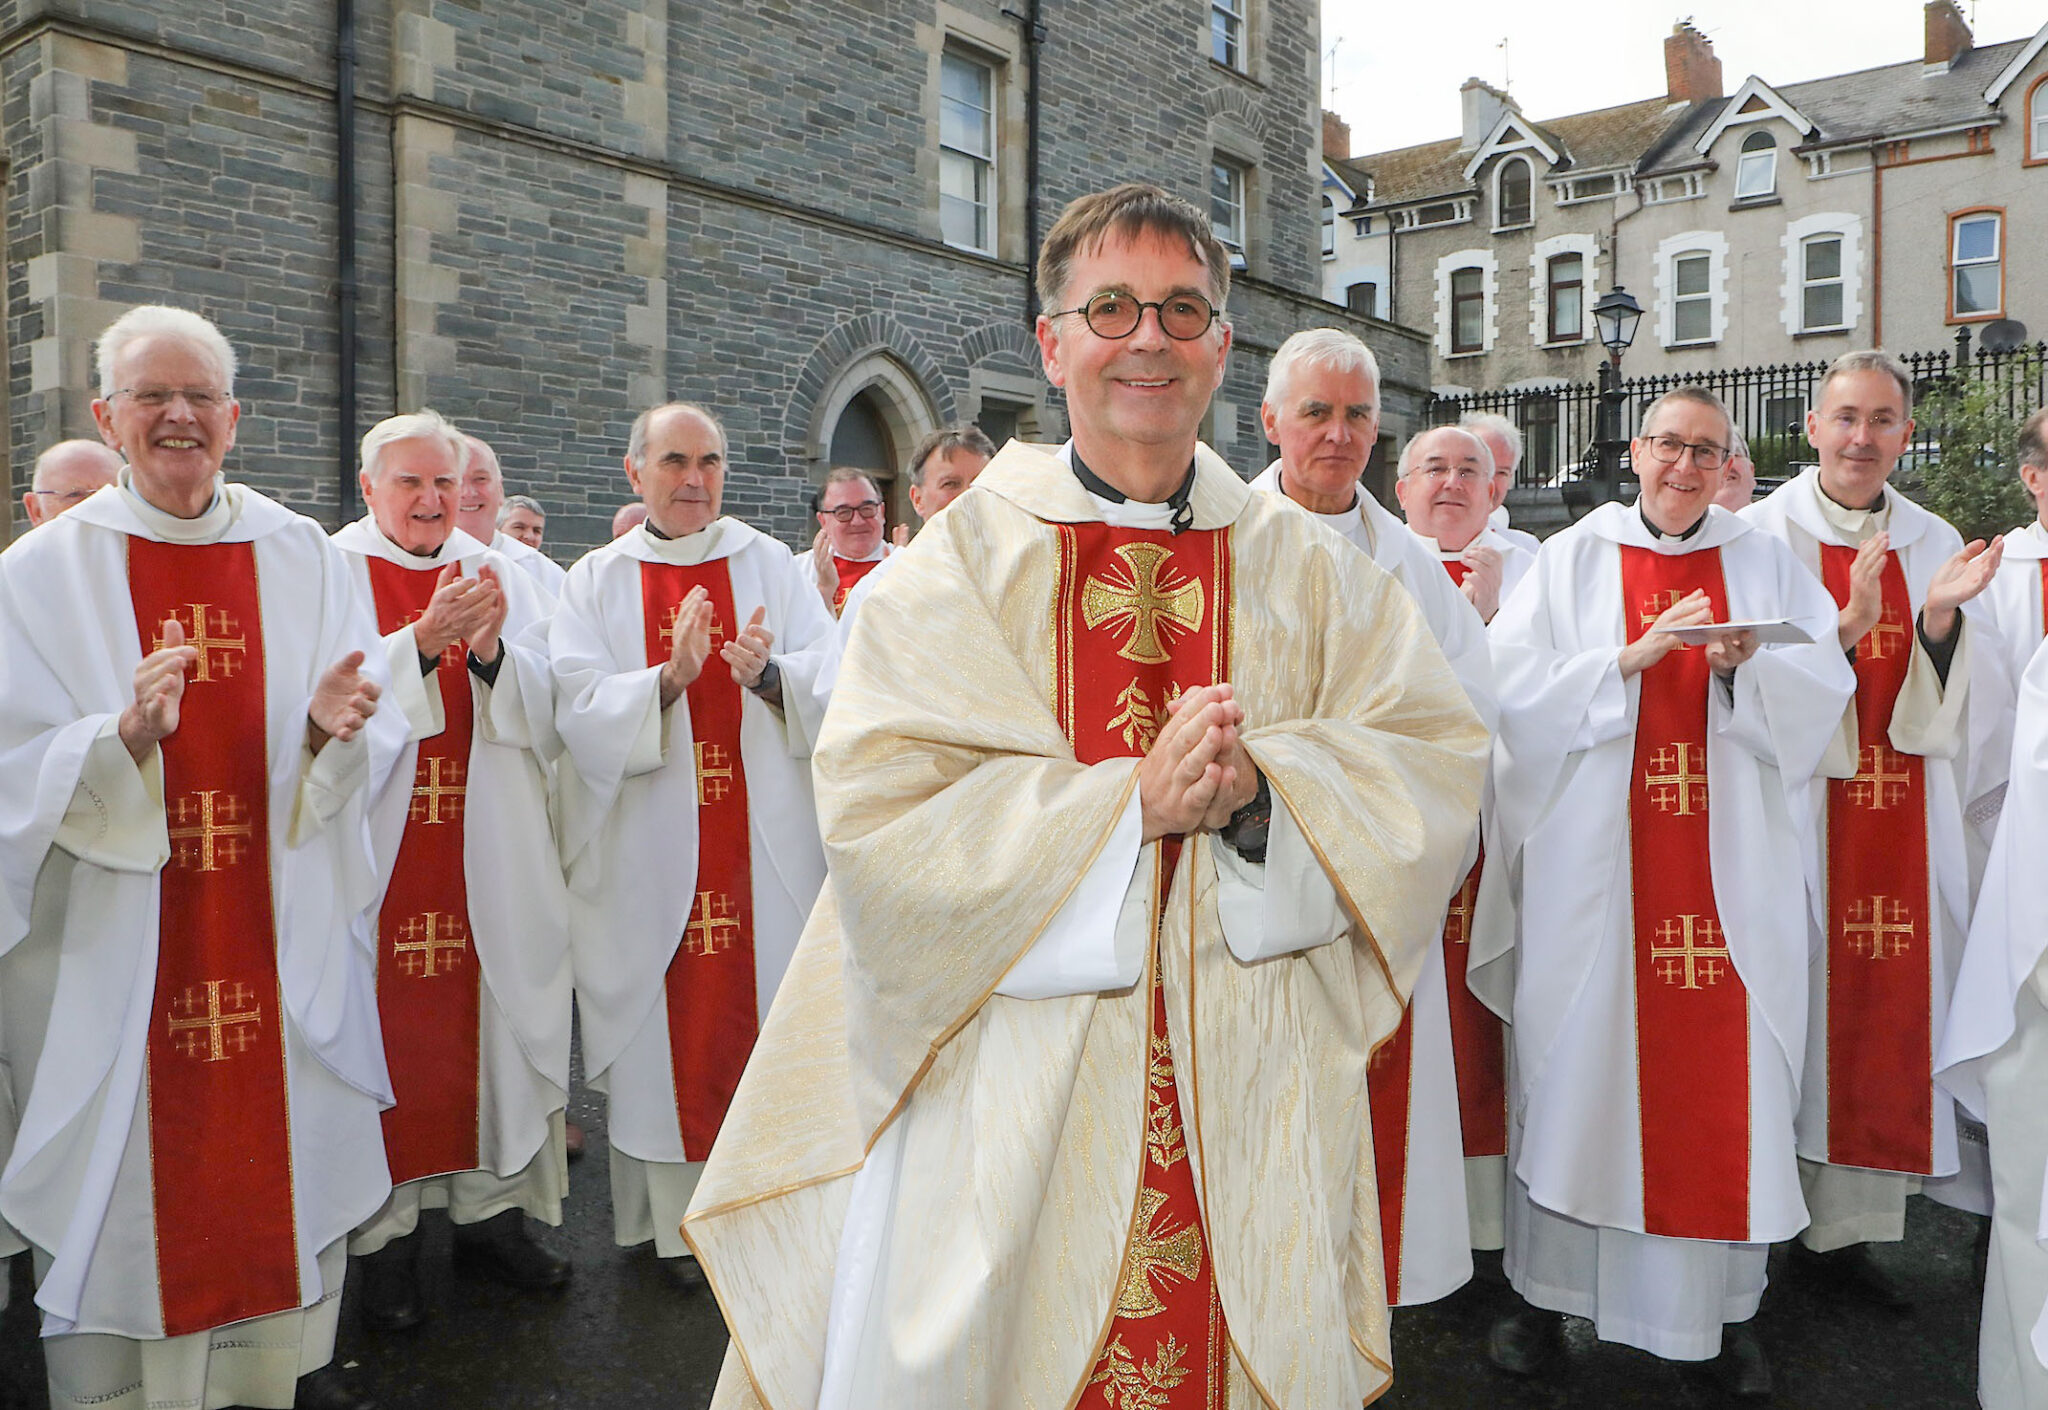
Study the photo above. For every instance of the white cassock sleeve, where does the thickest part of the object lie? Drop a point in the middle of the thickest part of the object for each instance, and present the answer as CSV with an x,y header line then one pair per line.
x,y
1096,941
116,816
327,781
1280,906
411,694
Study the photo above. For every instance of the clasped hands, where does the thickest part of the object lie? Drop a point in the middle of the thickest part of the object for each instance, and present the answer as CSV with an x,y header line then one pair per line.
x,y
342,703
1197,772
747,654
463,609
1725,650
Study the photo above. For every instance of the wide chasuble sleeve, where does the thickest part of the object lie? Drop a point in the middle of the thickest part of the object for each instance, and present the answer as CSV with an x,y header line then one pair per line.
x,y
957,820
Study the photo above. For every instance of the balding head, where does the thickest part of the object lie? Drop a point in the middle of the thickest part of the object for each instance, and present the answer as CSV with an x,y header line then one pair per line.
x,y
66,474
629,517
483,490
1446,485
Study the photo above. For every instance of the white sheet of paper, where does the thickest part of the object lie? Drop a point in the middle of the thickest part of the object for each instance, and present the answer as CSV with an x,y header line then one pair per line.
x,y
1767,633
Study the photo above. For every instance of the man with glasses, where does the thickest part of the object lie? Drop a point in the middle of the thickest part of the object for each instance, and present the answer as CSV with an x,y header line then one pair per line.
x,y
849,540
65,475
1321,411
941,468
189,734
1141,813
1916,750
692,660
1660,992
1442,485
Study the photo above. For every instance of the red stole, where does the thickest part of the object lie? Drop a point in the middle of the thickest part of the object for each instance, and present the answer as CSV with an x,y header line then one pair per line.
x,y
1389,1097
1880,1094
219,1131
713,1013
1692,1009
429,997
850,572
1139,616
1457,568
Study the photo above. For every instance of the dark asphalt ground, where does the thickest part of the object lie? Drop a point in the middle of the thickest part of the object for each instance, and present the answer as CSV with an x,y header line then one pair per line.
x,y
622,1338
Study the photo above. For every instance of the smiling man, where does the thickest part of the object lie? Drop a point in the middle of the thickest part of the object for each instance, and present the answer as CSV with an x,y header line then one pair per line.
x,y
1641,786
1142,796
66,475
189,734
472,930
1920,740
941,468
481,509
1442,485
692,660
849,543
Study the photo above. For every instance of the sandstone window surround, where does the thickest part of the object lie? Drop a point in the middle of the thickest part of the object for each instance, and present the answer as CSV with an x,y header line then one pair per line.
x,y
1561,269
1691,298
1227,33
968,181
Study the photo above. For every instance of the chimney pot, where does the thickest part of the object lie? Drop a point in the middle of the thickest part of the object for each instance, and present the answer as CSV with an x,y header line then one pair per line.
x,y
1692,74
1948,34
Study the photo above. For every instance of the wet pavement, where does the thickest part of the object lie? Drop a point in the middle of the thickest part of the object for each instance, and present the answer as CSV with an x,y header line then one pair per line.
x,y
622,1336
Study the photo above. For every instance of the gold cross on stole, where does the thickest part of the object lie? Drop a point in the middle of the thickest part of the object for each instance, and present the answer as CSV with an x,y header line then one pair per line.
x,y
1153,1250
1675,778
714,927
1873,787
219,635
426,938
437,798
1692,950
207,831
1887,626
215,1023
1879,929
1144,600
714,774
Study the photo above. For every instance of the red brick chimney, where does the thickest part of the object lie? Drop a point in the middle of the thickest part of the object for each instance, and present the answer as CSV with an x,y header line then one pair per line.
x,y
1336,136
1691,72
1948,34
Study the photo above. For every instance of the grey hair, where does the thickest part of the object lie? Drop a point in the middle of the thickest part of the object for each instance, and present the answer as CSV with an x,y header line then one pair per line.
x,y
1738,443
1868,360
1508,431
1330,348
946,440
1698,396
163,321
636,439
1407,461
490,454
520,501
425,424
2033,441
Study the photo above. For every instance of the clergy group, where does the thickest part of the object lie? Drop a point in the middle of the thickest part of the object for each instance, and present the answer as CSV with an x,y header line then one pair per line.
x,y
1107,948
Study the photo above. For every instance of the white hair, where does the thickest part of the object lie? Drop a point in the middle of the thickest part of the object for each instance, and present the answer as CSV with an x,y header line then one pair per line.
x,y
1739,442
490,456
636,439
163,321
423,425
520,501
1484,421
1330,348
1407,461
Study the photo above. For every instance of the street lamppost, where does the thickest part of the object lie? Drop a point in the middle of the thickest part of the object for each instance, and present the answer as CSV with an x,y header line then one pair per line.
x,y
1617,314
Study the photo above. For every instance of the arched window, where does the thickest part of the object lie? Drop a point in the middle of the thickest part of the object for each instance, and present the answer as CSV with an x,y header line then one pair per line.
x,y
1511,194
1756,173
1329,228
2037,120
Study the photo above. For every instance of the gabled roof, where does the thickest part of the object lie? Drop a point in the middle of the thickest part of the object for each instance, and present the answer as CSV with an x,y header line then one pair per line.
x,y
1346,181
1596,141
1514,133
1898,100
1755,101
2013,70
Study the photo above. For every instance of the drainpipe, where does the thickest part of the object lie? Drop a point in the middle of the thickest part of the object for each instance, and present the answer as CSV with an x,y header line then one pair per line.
x,y
1034,39
345,247
1876,245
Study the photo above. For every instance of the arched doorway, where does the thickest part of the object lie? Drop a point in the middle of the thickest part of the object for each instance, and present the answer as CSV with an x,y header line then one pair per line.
x,y
871,415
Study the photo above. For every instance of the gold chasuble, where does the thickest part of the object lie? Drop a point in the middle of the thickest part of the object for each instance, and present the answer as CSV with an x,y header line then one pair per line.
x,y
1060,1202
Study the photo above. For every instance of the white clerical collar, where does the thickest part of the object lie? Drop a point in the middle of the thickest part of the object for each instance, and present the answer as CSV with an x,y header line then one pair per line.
x,y
1123,514
881,552
1855,525
687,551
399,553
217,518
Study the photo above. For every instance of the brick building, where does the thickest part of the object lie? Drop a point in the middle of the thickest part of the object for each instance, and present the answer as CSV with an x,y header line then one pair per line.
x,y
814,216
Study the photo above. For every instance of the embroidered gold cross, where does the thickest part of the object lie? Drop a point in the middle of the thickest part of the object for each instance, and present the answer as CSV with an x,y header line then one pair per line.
x,y
426,938
1458,920
219,1026
1888,624
208,831
218,639
1677,780
715,927
714,774
437,797
1692,952
1145,601
1155,1252
1879,929
1658,603
668,629
1873,787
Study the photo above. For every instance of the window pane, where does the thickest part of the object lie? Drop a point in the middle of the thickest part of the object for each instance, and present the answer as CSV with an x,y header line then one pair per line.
x,y
1694,323
1759,141
1757,174
963,223
963,80
1464,283
1823,307
1824,259
1514,193
1564,269
1567,312
1977,238
1466,324
1363,298
1329,226
1691,273
1977,288
1224,29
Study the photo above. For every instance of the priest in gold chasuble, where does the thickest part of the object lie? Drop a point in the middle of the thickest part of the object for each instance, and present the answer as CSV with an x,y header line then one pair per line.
x,y
1141,796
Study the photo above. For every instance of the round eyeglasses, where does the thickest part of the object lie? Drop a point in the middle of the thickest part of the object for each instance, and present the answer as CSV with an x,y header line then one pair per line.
x,y
1182,317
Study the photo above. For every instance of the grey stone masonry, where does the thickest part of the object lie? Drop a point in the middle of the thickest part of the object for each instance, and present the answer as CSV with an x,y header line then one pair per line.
x,y
566,213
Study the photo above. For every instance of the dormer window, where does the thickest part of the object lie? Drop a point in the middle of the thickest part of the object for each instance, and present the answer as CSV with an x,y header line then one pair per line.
x,y
1756,171
1512,200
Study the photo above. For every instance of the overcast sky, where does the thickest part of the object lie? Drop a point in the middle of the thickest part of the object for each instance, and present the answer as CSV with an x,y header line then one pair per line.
x,y
1398,65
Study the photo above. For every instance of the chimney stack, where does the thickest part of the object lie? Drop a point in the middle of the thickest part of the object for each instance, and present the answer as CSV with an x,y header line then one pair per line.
x,y
1948,35
1691,72
1336,136
1483,106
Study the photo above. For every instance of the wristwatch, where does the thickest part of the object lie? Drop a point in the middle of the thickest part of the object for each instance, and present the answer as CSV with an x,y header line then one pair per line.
x,y
1245,833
